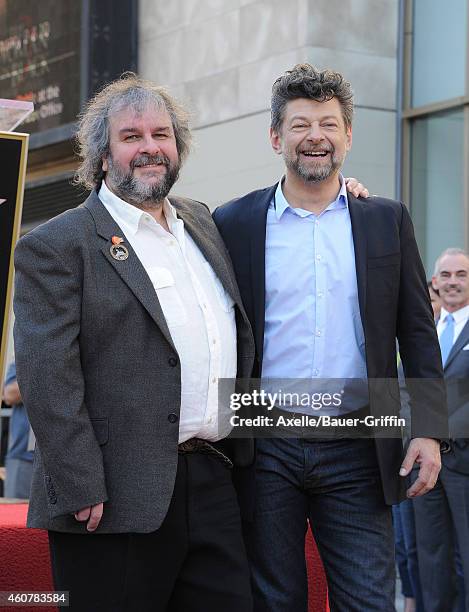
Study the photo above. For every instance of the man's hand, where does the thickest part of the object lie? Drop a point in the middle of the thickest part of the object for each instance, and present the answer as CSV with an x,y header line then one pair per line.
x,y
11,394
356,188
426,452
92,514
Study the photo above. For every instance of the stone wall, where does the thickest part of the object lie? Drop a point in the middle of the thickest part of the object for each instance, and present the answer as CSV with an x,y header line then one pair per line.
x,y
221,57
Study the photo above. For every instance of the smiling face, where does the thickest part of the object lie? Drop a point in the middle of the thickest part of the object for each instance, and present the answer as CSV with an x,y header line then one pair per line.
x,y
452,281
313,139
143,163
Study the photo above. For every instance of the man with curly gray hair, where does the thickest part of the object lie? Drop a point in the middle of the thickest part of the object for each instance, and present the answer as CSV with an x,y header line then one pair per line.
x,y
132,298
128,92
328,281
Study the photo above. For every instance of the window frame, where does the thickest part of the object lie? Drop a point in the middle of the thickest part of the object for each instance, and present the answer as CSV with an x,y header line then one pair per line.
x,y
409,114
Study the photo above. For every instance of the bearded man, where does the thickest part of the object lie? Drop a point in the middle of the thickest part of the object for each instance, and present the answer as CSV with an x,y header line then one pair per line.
x,y
328,282
127,314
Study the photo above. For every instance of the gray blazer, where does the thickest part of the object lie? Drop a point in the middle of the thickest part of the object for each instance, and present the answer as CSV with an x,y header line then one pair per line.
x,y
99,372
457,386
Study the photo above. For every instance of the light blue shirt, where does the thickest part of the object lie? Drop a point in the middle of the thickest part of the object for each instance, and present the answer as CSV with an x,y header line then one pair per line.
x,y
313,328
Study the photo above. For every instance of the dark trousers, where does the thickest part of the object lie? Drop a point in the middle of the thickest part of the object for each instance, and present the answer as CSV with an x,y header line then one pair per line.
x,y
442,520
406,551
336,485
195,562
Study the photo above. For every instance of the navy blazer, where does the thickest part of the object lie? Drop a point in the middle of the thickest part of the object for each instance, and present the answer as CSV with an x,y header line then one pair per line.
x,y
393,299
456,373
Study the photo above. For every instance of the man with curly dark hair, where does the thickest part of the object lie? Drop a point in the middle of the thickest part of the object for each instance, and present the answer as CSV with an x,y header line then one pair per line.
x,y
328,282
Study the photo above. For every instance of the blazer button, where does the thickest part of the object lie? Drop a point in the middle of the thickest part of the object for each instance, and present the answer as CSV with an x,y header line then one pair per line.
x,y
173,418
53,500
173,362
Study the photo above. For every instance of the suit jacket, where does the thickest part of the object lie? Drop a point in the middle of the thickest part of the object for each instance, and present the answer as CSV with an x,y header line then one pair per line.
x,y
393,300
456,373
99,372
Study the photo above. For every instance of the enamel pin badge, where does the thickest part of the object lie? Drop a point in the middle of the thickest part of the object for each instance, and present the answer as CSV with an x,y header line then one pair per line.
x,y
118,250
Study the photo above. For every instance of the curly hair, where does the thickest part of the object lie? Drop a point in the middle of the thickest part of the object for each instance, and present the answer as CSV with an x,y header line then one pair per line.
x,y
129,91
306,81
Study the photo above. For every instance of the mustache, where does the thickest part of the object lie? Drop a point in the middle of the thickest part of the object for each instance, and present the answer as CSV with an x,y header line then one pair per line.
x,y
147,160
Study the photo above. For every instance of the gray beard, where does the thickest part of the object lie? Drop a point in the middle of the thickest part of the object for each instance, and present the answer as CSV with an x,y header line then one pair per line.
x,y
314,174
138,193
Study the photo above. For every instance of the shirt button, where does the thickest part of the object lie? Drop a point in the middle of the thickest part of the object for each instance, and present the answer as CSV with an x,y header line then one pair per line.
x,y
204,306
173,362
320,294
173,418
214,341
318,332
315,372
214,380
318,257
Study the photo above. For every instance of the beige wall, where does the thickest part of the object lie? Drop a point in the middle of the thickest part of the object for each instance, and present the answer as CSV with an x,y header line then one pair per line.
x,y
222,56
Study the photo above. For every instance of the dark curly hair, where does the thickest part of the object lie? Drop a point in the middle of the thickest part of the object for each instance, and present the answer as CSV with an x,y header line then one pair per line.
x,y
306,81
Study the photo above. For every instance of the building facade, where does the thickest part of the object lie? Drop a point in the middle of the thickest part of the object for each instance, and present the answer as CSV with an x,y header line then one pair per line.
x,y
434,123
223,56
407,61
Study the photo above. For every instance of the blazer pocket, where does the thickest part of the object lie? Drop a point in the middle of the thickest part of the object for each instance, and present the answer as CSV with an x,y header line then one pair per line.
x,y
101,430
384,260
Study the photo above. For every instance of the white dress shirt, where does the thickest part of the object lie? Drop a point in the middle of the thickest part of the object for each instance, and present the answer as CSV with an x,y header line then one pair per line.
x,y
198,311
460,320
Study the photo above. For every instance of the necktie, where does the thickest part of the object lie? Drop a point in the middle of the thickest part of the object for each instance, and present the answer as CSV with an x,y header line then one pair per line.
x,y
446,338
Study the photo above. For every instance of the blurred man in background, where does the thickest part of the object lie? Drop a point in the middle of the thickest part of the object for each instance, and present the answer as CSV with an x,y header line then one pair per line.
x,y
19,459
442,516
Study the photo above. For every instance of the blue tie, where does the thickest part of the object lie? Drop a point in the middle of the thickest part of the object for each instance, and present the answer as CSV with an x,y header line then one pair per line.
x,y
446,338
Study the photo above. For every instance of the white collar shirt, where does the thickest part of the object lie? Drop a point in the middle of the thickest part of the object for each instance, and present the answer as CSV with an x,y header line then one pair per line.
x,y
460,320
198,311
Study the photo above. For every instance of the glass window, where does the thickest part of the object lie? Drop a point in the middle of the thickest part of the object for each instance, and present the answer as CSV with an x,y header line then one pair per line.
x,y
437,184
439,50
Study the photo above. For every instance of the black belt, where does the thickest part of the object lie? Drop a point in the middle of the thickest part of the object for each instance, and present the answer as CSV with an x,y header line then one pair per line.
x,y
196,445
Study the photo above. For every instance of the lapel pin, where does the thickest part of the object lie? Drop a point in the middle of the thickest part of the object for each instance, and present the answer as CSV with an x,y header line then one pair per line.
x,y
118,250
